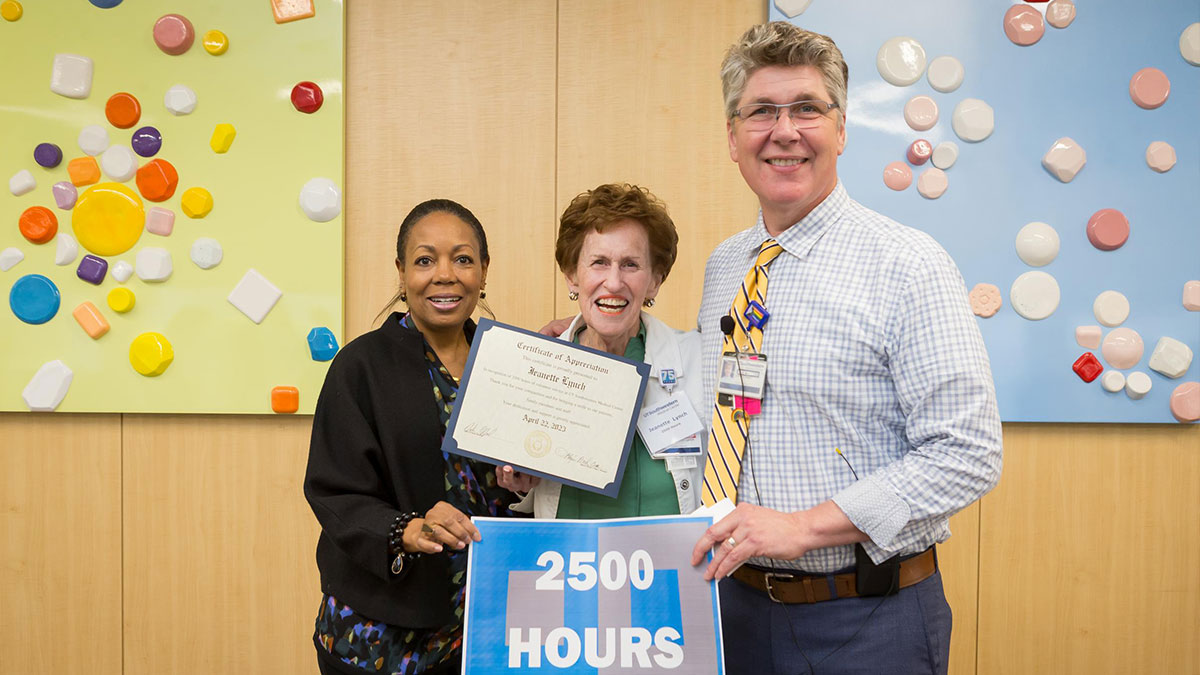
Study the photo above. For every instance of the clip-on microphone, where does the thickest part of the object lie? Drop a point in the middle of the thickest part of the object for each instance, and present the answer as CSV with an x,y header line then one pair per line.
x,y
727,325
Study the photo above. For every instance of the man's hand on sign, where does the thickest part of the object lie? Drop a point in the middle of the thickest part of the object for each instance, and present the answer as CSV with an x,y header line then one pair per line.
x,y
754,531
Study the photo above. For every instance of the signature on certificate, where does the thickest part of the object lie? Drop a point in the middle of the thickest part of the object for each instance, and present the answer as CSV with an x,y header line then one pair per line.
x,y
585,462
481,430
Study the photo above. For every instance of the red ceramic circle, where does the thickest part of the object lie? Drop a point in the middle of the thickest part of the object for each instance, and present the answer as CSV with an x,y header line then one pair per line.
x,y
1024,25
307,97
174,34
1149,88
919,152
1108,229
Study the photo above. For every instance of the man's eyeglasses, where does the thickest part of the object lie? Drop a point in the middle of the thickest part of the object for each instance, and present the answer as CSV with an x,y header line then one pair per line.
x,y
763,116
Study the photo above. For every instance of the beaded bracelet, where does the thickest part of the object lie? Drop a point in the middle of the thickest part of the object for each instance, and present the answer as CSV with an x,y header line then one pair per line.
x,y
396,541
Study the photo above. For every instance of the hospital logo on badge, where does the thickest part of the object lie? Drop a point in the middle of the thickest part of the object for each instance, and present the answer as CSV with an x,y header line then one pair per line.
x,y
537,444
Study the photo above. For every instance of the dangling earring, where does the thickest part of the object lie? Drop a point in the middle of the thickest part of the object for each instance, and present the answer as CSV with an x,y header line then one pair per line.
x,y
648,302
482,294
573,296
404,297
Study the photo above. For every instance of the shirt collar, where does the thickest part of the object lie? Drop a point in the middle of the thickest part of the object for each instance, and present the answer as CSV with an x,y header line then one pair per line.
x,y
800,238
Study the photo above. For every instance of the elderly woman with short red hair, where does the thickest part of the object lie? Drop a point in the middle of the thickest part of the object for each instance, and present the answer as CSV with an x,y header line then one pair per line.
x,y
616,244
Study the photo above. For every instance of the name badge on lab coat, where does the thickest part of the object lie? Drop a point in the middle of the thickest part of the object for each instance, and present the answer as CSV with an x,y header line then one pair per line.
x,y
667,420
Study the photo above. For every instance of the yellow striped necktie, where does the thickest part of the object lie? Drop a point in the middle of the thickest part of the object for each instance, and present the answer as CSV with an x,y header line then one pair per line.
x,y
727,439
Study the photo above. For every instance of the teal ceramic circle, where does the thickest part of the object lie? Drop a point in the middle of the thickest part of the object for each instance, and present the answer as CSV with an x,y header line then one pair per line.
x,y
34,299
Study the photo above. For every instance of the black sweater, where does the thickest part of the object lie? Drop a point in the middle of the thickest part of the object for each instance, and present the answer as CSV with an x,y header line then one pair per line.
x,y
375,453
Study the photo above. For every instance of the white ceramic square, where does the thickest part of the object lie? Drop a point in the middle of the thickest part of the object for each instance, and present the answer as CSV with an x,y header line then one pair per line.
x,y
71,76
255,296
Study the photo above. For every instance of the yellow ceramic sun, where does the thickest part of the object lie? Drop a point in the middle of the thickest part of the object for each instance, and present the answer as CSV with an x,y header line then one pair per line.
x,y
108,219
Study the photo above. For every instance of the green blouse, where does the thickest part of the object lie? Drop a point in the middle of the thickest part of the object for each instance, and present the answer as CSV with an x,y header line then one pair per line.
x,y
647,488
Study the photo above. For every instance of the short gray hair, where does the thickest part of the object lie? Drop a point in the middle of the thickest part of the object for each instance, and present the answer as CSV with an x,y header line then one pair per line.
x,y
780,43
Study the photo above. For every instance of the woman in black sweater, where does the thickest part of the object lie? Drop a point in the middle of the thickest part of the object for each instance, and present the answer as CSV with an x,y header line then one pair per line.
x,y
394,510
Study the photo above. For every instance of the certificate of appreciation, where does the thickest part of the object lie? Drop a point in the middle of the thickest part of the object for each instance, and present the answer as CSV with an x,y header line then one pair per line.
x,y
548,407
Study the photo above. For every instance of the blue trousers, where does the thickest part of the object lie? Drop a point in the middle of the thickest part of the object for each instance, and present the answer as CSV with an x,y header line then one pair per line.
x,y
908,633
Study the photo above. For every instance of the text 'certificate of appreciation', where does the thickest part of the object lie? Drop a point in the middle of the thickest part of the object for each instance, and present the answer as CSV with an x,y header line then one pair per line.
x,y
548,407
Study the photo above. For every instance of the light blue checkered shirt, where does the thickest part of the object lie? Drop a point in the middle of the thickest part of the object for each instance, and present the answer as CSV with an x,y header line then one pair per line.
x,y
872,348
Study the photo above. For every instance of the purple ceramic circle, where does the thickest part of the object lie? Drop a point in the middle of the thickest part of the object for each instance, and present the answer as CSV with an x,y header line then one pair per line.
x,y
48,155
92,269
146,141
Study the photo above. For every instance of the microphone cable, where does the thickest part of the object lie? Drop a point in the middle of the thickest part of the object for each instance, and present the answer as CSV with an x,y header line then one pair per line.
x,y
727,324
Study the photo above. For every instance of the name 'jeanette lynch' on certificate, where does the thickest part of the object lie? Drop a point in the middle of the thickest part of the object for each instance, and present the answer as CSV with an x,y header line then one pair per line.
x,y
548,407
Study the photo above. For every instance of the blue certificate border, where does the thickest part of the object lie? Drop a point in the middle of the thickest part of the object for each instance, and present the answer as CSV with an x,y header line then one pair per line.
x,y
491,528
451,446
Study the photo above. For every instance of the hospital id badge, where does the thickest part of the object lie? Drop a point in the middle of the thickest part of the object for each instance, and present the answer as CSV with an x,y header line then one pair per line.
x,y
743,374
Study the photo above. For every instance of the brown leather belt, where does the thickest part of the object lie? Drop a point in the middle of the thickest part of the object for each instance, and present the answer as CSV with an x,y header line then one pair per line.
x,y
791,588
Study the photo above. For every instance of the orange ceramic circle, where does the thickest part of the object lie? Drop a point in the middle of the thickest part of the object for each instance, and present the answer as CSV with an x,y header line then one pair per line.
x,y
108,219
38,224
157,180
123,110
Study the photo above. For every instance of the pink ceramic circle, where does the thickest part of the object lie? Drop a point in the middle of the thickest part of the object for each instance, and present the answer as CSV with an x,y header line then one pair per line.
x,y
921,113
1060,13
1108,229
897,176
985,300
174,34
1185,402
919,152
1122,348
1149,88
1024,25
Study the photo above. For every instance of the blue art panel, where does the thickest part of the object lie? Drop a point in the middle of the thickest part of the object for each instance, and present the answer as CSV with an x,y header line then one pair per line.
x,y
1074,82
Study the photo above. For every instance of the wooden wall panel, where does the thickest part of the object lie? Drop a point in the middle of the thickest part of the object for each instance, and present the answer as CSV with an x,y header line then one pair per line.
x,y
958,559
640,102
451,100
219,545
60,543
1090,552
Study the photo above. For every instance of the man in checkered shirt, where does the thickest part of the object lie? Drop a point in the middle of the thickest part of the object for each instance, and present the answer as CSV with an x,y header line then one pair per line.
x,y
871,350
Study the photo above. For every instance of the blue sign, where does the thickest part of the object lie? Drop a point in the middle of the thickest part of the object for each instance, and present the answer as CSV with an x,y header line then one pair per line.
x,y
590,596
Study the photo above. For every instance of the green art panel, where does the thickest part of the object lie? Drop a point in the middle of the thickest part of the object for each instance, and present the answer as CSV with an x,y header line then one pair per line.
x,y
223,361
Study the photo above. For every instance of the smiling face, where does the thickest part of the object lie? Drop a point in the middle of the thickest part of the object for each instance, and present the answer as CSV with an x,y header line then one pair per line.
x,y
613,277
790,169
441,272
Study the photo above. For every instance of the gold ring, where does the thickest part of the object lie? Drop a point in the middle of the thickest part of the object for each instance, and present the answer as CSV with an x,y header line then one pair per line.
x,y
426,528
